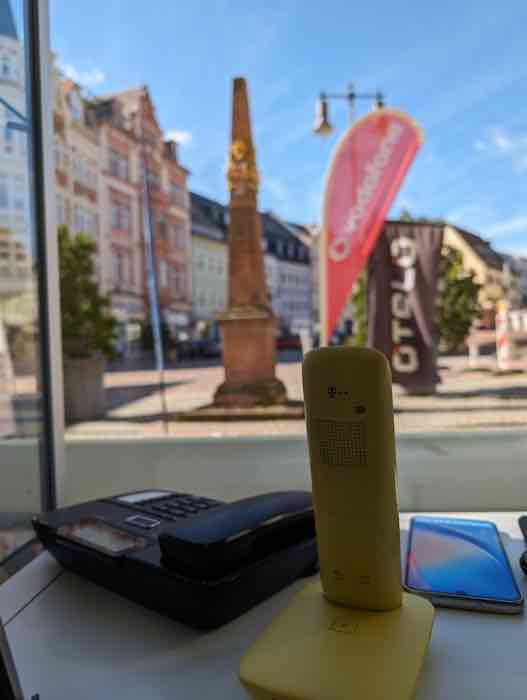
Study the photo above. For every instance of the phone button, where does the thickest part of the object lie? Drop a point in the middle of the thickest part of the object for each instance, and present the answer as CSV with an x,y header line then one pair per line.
x,y
142,521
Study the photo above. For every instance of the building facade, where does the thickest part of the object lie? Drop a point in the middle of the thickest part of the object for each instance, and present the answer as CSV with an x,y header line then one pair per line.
x,y
120,245
481,259
287,262
77,157
288,265
103,147
17,280
210,258
169,208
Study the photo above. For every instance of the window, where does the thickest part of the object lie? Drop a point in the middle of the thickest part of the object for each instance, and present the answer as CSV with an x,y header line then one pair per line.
x,y
153,178
179,231
8,139
27,433
116,216
117,268
181,282
455,175
6,67
120,213
119,165
177,194
163,273
125,216
4,194
162,229
76,168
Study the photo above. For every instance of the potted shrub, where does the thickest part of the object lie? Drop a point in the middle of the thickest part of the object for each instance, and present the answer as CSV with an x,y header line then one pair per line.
x,y
88,328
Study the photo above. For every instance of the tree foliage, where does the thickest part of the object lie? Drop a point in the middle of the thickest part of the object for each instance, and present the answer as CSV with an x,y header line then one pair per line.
x,y
457,300
359,312
88,327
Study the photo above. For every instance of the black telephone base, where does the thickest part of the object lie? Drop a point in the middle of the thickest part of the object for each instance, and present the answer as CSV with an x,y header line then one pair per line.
x,y
141,576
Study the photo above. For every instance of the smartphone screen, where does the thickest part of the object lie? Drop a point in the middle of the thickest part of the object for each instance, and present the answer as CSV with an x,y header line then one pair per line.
x,y
463,558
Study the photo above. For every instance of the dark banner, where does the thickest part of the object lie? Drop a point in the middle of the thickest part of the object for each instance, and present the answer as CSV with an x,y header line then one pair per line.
x,y
402,284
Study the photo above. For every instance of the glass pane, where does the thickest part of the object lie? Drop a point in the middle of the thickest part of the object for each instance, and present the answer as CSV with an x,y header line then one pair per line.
x,y
21,427
157,152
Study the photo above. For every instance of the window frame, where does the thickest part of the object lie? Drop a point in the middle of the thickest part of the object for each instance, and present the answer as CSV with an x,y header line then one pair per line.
x,y
40,146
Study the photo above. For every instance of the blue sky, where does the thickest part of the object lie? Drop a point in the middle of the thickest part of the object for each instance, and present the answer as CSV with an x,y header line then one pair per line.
x,y
459,68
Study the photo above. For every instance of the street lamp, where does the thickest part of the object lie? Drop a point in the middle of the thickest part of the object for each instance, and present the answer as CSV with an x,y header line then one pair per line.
x,y
322,125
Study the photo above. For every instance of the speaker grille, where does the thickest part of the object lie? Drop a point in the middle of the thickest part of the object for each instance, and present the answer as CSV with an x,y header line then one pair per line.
x,y
342,443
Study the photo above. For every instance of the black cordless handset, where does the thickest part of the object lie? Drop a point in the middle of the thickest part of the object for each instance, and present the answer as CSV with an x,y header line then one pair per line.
x,y
218,542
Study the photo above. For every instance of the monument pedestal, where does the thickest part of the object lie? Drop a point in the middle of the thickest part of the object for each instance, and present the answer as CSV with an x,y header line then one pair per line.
x,y
249,349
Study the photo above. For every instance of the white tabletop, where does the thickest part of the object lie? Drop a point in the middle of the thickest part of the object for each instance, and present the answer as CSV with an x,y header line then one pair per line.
x,y
72,639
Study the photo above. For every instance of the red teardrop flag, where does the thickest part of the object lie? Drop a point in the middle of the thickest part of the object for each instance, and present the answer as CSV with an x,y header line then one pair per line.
x,y
365,173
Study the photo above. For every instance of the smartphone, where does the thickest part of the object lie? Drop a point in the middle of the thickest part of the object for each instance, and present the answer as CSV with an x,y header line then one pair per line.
x,y
458,563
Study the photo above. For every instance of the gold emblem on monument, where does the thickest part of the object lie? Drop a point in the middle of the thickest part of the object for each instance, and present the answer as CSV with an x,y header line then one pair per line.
x,y
241,170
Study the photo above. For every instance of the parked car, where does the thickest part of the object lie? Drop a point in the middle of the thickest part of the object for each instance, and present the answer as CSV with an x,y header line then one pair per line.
x,y
189,349
288,342
211,348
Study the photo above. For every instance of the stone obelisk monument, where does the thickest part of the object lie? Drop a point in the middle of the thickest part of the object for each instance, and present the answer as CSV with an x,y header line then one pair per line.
x,y
248,324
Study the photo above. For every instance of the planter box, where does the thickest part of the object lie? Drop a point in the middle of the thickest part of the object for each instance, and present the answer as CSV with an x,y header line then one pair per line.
x,y
84,397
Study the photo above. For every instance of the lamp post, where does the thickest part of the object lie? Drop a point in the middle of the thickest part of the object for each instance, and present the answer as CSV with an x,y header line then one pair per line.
x,y
322,126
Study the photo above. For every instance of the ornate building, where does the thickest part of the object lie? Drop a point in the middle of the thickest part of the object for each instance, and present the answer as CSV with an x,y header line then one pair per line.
x,y
121,249
102,146
77,158
170,207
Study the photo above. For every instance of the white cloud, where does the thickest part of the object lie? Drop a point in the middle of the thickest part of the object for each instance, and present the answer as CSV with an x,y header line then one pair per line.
x,y
508,227
502,141
180,136
88,78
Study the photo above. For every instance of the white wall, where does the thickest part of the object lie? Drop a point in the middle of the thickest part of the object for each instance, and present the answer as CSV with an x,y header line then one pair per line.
x,y
209,277
454,472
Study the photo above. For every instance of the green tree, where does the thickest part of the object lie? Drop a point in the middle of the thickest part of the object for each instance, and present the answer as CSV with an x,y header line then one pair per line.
x,y
88,327
457,300
359,312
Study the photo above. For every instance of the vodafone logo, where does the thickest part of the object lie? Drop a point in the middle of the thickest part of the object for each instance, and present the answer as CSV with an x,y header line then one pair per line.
x,y
339,250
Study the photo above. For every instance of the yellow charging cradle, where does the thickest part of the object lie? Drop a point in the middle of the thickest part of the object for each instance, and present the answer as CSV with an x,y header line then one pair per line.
x,y
316,650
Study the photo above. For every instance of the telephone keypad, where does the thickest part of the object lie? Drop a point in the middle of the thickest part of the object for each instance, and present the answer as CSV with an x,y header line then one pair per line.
x,y
177,505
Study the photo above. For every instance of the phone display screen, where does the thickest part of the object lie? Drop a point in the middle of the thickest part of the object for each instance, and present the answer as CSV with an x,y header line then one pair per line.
x,y
459,557
101,535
